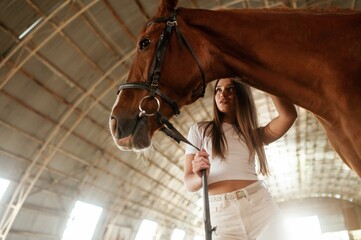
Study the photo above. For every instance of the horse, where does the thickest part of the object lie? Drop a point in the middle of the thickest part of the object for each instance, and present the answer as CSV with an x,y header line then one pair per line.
x,y
312,58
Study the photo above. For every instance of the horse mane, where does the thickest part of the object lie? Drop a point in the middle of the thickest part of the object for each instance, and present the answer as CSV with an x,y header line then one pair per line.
x,y
165,7
310,10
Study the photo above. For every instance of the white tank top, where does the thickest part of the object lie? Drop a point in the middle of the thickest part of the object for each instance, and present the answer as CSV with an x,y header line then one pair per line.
x,y
237,165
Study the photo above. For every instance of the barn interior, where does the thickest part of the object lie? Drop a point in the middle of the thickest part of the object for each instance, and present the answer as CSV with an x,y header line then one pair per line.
x,y
60,66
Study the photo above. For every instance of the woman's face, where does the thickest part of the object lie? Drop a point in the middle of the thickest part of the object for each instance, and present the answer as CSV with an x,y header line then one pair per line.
x,y
225,98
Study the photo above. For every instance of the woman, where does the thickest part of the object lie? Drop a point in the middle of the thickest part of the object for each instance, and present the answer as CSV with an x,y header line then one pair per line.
x,y
240,204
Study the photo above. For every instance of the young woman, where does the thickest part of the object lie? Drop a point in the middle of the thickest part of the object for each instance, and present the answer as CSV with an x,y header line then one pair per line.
x,y
240,205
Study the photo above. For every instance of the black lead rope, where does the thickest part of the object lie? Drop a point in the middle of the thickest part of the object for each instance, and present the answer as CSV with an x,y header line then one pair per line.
x,y
173,133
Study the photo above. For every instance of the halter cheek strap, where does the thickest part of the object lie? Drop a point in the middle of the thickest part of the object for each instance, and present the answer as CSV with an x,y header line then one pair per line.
x,y
153,80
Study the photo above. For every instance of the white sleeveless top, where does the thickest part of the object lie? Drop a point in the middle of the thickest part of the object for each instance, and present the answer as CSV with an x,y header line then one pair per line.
x,y
237,165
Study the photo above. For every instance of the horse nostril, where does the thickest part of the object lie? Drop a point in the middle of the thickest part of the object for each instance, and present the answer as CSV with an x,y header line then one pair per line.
x,y
113,124
121,128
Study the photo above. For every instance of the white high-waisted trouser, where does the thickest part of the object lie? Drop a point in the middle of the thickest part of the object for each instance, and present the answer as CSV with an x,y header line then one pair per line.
x,y
246,214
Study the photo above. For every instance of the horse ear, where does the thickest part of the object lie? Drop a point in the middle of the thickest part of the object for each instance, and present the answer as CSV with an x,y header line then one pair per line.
x,y
165,7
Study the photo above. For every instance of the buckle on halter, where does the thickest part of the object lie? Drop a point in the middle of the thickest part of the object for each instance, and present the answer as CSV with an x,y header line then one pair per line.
x,y
171,23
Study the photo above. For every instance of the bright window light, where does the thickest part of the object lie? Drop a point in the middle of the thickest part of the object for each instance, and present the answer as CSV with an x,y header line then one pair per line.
x,y
178,234
4,184
82,222
342,235
198,238
147,230
356,234
304,228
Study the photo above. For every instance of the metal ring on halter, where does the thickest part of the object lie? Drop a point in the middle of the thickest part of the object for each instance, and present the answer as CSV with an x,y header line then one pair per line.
x,y
143,112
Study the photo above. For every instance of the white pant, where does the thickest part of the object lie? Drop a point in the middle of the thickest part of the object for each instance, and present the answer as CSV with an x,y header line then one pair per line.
x,y
246,214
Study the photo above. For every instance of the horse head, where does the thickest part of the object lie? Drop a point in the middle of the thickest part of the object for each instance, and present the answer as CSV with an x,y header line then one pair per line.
x,y
158,83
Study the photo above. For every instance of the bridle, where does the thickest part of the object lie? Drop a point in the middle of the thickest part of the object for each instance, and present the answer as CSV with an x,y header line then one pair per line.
x,y
154,92
153,80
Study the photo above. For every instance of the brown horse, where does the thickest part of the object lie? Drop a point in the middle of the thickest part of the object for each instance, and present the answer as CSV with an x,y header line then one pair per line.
x,y
310,57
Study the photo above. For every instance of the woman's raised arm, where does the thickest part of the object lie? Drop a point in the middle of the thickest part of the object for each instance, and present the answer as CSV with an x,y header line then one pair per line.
x,y
278,126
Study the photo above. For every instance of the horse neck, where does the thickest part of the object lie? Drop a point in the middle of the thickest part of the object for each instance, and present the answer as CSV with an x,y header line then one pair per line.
x,y
264,46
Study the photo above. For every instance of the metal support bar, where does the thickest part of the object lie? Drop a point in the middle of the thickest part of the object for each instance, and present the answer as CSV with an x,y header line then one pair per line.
x,y
207,218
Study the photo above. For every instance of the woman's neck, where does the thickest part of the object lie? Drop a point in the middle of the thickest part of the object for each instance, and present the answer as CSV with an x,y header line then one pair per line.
x,y
229,119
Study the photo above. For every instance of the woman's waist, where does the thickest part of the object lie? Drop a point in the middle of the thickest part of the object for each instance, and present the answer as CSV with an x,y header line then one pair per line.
x,y
227,186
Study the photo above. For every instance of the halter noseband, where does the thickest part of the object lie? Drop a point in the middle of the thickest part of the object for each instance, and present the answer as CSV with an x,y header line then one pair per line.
x,y
153,80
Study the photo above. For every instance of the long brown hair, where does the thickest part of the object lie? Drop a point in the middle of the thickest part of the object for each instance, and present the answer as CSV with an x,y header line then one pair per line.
x,y
246,126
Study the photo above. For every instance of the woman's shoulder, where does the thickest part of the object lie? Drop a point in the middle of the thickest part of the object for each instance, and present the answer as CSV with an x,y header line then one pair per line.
x,y
202,125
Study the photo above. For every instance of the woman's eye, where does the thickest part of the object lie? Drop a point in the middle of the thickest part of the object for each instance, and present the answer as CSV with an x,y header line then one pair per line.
x,y
144,43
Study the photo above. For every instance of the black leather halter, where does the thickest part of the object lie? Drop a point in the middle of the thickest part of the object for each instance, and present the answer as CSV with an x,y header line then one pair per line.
x,y
153,80
152,86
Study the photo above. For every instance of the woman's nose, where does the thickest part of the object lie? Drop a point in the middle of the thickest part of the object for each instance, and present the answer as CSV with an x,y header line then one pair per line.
x,y
224,93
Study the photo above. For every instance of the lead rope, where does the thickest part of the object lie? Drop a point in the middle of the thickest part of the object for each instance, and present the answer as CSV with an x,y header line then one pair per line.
x,y
173,133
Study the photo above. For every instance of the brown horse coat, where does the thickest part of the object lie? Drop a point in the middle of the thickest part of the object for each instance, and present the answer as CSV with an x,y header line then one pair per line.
x,y
310,57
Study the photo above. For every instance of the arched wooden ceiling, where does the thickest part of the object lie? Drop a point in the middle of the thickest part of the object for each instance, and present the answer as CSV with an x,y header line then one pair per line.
x,y
58,83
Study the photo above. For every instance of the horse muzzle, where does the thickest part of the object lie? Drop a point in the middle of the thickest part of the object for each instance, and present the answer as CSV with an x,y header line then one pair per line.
x,y
130,134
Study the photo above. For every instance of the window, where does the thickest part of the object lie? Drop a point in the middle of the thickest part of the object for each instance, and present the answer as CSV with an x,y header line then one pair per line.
x,y
304,228
178,234
82,222
342,235
147,230
4,184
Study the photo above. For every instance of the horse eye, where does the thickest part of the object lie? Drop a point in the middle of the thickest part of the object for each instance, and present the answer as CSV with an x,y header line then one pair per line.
x,y
144,43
